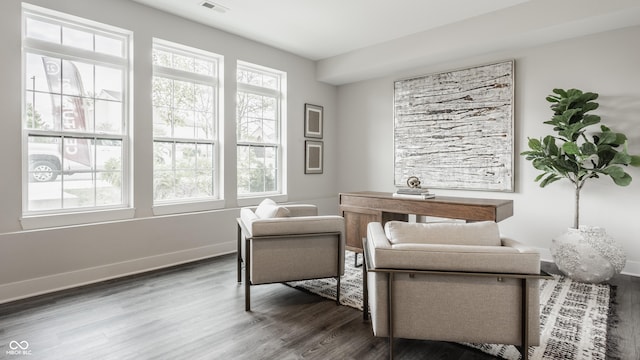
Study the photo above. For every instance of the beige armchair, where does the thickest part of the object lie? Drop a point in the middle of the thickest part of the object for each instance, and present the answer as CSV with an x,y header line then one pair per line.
x,y
457,282
288,243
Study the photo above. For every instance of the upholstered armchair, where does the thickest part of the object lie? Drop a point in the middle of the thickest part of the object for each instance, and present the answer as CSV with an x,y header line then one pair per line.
x,y
288,243
457,282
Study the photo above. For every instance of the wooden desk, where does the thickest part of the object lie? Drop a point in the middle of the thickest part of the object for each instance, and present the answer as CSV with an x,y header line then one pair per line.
x,y
361,208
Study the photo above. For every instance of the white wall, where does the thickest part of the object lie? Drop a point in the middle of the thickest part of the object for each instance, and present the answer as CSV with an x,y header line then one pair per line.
x,y
39,261
606,63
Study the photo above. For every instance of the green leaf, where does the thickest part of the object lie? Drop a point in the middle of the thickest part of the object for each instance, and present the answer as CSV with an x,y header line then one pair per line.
x,y
589,106
591,120
607,137
588,149
549,179
535,144
621,158
588,96
614,171
635,160
623,180
560,92
571,148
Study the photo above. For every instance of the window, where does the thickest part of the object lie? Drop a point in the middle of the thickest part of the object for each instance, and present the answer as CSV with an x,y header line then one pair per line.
x,y
185,108
75,115
260,100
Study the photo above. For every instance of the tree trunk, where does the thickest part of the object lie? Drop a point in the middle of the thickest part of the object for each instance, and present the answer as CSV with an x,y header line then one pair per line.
x,y
576,219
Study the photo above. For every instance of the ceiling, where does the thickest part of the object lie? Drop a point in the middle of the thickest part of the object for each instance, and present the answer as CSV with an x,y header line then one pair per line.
x,y
324,28
344,35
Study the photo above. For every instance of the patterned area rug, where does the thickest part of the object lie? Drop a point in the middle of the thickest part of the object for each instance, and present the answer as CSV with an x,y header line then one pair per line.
x,y
573,315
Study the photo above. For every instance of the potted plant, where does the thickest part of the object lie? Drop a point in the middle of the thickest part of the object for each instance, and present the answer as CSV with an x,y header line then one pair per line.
x,y
577,153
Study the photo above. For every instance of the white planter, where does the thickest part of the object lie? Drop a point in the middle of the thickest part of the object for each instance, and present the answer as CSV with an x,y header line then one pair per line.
x,y
588,254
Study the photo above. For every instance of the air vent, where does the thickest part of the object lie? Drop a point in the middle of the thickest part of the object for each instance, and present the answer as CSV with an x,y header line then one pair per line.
x,y
215,7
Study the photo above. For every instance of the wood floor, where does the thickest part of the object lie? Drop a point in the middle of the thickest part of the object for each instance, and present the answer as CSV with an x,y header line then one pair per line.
x,y
196,311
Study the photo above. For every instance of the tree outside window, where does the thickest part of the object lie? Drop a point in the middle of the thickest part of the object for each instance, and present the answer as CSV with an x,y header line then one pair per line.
x,y
258,117
185,88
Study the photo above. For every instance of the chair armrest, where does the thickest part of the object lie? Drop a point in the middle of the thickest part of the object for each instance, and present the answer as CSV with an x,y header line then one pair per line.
x,y
297,225
512,257
296,210
516,245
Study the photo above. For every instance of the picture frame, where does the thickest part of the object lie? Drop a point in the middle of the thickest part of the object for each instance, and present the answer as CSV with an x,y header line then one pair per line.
x,y
313,121
313,157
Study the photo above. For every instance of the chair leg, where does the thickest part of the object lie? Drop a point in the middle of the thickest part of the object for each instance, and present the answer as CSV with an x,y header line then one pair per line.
x,y
338,291
239,254
365,290
390,312
247,276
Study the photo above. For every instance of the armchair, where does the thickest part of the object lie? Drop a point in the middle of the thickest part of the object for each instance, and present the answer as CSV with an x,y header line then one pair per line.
x,y
451,282
288,244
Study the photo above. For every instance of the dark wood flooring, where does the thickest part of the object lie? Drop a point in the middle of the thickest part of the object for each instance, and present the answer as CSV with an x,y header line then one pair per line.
x,y
196,311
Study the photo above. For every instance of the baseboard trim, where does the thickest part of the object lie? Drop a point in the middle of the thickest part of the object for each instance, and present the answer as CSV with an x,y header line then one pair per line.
x,y
631,268
47,284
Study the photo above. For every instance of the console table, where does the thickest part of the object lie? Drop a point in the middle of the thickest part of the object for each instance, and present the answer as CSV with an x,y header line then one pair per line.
x,y
361,208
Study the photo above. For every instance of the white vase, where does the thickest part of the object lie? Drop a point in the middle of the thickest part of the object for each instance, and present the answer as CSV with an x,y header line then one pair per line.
x,y
588,254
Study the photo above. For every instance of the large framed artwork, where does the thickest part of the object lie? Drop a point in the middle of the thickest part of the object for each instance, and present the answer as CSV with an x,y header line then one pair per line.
x,y
454,130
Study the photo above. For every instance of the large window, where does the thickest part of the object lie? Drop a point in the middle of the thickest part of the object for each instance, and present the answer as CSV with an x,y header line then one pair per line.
x,y
75,123
259,115
185,108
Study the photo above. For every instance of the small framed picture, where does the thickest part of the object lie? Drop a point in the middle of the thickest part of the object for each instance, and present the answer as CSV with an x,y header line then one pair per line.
x,y
313,154
313,121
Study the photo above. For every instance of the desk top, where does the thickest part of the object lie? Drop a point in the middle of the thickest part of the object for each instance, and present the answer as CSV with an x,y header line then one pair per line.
x,y
471,209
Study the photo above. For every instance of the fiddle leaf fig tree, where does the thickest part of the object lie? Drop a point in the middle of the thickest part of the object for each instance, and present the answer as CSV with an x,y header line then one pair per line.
x,y
575,154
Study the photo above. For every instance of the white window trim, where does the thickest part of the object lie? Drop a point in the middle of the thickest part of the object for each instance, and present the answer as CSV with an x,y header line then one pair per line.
x,y
282,193
77,218
178,206
31,220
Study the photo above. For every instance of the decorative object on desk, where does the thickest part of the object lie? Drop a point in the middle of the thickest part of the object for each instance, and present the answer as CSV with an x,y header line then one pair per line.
x,y
417,196
313,121
455,129
583,253
413,182
574,317
313,157
414,190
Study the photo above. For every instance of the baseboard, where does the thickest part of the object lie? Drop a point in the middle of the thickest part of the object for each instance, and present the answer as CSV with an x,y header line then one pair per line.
x,y
47,284
631,268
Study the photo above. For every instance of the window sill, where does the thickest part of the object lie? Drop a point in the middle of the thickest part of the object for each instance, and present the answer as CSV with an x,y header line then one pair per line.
x,y
255,200
170,208
34,222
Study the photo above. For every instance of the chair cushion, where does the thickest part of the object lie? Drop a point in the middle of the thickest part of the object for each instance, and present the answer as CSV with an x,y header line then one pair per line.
x,y
269,209
484,233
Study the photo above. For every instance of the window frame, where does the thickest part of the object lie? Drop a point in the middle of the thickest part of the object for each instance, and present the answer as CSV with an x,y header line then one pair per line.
x,y
216,201
279,94
34,219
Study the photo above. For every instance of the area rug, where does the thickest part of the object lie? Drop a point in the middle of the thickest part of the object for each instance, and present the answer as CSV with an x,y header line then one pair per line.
x,y
573,316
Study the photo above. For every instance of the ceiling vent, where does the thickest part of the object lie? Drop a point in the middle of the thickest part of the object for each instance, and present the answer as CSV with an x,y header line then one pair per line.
x,y
214,6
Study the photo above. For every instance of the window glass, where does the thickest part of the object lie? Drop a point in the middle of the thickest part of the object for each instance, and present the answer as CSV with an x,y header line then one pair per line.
x,y
75,115
258,115
185,87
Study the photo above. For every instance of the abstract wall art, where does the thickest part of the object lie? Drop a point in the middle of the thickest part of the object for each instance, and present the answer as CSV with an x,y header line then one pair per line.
x,y
454,130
